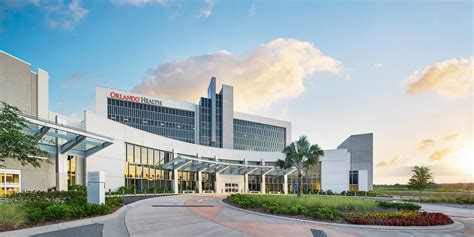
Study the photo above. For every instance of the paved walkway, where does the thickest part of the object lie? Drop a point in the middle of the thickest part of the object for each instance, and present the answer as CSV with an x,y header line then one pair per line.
x,y
193,215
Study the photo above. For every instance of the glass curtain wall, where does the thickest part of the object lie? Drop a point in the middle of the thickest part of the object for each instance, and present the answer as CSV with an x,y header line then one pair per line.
x,y
206,119
208,182
254,183
187,181
273,184
258,137
169,122
311,180
142,172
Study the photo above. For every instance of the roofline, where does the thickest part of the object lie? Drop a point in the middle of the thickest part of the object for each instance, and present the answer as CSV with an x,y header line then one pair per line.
x,y
19,59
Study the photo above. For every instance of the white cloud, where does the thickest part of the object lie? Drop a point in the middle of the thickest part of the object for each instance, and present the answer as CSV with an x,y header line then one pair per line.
x,y
63,15
140,2
58,14
253,10
207,10
378,65
453,77
270,73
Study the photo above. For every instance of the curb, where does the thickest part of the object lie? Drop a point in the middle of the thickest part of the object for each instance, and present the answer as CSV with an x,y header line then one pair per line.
x,y
63,225
454,226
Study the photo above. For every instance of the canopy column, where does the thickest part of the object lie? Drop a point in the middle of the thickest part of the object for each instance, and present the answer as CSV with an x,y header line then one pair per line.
x,y
61,172
199,181
246,183
175,181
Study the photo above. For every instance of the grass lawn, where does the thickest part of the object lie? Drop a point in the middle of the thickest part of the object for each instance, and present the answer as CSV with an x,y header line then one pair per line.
x,y
340,209
441,199
336,202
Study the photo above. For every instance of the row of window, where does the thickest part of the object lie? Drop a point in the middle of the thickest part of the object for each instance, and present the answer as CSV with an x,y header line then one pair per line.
x,y
267,135
185,136
179,124
153,108
206,120
148,116
258,137
245,123
151,123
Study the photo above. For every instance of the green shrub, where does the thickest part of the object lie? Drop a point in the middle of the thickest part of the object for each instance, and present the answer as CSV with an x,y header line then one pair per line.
x,y
35,215
40,196
323,213
12,215
77,201
77,187
308,201
57,212
78,210
403,206
97,209
53,206
297,210
113,202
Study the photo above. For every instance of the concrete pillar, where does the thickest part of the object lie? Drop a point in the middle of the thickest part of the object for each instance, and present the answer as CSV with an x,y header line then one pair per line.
x,y
61,172
175,181
199,181
81,170
61,161
285,184
246,183
262,185
217,187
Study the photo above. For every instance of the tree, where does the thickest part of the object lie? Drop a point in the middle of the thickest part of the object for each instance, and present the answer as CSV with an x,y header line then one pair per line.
x,y
300,155
14,143
421,179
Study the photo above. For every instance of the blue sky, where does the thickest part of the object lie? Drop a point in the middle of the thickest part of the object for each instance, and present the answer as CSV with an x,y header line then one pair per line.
x,y
379,45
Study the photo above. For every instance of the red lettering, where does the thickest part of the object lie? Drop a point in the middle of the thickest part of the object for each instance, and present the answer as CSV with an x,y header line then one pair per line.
x,y
124,97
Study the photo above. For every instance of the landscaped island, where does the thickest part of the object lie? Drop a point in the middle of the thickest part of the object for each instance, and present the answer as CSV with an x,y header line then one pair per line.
x,y
341,209
30,209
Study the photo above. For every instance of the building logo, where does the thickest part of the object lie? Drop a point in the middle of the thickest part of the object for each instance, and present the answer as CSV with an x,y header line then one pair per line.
x,y
132,98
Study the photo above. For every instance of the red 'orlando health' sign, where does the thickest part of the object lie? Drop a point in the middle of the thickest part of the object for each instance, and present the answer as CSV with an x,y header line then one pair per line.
x,y
132,98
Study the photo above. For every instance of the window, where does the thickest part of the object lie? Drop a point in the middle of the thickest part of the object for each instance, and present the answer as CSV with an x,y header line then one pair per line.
x,y
71,170
151,118
141,173
231,188
258,137
10,182
354,180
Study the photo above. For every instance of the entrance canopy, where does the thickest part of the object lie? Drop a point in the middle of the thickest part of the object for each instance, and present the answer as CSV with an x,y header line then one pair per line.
x,y
57,138
183,162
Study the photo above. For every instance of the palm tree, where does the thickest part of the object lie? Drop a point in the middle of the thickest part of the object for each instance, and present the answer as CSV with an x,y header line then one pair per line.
x,y
300,155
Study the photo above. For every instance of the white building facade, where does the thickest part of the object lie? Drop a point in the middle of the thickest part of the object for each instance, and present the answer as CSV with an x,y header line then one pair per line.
x,y
153,144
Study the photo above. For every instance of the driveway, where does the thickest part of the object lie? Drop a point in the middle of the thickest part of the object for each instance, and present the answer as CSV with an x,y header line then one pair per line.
x,y
193,215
